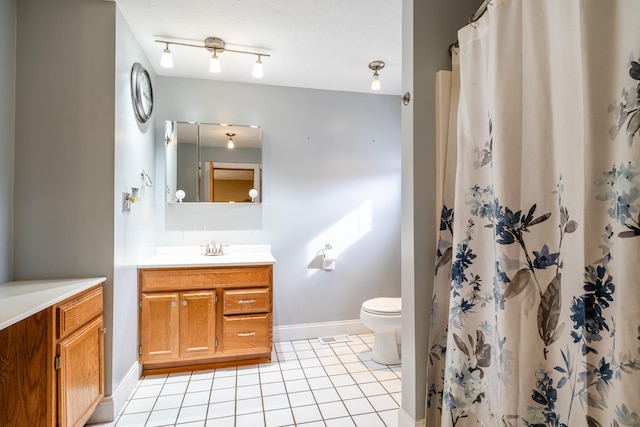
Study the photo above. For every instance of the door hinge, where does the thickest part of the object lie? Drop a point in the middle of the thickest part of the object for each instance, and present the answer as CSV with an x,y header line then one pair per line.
x,y
216,298
140,350
57,363
216,342
140,304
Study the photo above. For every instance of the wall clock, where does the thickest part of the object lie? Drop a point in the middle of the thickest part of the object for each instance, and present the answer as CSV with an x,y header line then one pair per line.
x,y
141,93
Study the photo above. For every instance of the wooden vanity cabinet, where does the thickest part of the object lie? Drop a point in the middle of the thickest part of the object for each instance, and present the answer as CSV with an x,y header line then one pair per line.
x,y
204,317
53,364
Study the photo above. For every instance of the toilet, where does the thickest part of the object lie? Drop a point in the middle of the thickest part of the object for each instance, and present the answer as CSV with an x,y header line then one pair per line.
x,y
384,317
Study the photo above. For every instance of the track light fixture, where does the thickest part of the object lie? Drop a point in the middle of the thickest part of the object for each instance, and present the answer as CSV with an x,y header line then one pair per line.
x,y
214,45
376,66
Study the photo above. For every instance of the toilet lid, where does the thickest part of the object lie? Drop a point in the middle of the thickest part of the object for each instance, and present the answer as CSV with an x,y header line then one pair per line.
x,y
383,306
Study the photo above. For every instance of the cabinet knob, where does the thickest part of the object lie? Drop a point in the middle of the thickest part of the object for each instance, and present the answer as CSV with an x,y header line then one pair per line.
x,y
173,303
184,302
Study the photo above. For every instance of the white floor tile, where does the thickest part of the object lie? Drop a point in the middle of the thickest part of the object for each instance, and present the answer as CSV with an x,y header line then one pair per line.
x,y
153,379
202,375
283,346
340,422
192,413
192,424
221,410
383,402
292,374
248,406
278,418
133,420
248,392
373,389
287,356
199,385
358,406
250,420
249,379
302,398
345,349
329,360
174,388
221,422
397,397
168,402
356,367
274,366
270,377
147,391
384,374
392,386
196,398
312,424
349,392
301,345
248,369
324,352
222,395
335,370
311,362
140,405
317,383
289,364
390,418
270,389
314,372
363,377
225,372
342,380
305,414
162,418
326,395
296,385
178,377
279,401
333,410
368,420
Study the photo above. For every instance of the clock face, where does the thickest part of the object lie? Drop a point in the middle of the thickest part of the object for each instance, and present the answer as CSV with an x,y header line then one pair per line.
x,y
141,93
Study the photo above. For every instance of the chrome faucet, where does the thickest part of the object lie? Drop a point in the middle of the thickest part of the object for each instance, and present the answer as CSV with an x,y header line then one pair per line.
x,y
213,249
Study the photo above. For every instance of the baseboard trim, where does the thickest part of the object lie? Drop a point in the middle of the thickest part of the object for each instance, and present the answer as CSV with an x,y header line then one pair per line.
x,y
315,330
406,420
113,405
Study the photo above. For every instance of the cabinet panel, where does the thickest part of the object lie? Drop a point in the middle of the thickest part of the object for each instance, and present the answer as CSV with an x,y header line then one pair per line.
x,y
80,374
240,301
203,278
197,323
250,333
159,327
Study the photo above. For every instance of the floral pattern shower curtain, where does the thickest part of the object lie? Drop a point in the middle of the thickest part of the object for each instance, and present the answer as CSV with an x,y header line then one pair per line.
x,y
536,318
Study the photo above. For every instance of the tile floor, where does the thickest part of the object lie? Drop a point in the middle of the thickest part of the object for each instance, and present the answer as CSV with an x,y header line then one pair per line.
x,y
307,383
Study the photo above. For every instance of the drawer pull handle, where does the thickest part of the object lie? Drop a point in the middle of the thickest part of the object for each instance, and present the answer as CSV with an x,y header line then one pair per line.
x,y
246,334
246,301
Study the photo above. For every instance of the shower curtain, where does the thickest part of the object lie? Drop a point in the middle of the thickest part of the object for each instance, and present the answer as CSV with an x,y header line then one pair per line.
x,y
536,305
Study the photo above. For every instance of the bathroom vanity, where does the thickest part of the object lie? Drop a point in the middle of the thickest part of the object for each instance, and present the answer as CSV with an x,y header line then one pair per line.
x,y
201,312
51,352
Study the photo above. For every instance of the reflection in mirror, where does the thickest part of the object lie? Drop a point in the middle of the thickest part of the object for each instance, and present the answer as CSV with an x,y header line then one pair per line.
x,y
213,162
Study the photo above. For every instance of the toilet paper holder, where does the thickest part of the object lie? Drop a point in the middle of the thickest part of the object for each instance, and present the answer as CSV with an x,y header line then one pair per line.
x,y
329,257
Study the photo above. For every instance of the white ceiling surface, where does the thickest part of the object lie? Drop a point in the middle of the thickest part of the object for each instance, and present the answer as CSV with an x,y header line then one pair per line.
x,y
313,44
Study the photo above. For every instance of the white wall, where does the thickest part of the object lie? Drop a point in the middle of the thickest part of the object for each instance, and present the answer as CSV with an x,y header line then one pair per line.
x,y
7,133
331,175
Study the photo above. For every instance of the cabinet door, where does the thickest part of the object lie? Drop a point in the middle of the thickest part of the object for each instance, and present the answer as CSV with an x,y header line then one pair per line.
x,y
159,327
80,374
197,324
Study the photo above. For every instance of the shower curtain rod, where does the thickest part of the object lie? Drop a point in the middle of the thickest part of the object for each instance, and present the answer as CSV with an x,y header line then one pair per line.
x,y
473,18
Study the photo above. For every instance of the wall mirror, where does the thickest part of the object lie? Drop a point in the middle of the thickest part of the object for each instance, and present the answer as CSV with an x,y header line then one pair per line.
x,y
212,162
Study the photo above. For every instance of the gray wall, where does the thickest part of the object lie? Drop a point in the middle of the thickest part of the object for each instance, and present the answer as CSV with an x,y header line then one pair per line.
x,y
331,175
429,27
134,231
7,133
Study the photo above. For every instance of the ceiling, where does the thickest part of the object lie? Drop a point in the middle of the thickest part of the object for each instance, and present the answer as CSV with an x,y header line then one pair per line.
x,y
313,44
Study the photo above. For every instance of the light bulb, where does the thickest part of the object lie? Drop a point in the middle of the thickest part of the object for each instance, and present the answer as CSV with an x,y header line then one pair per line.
x,y
258,69
375,83
166,60
214,64
230,144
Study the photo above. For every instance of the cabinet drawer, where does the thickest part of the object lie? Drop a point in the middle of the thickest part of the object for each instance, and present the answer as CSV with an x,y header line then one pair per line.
x,y
78,311
246,333
240,301
203,278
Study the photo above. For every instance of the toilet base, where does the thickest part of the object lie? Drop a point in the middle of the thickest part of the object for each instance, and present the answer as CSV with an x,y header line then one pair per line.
x,y
385,349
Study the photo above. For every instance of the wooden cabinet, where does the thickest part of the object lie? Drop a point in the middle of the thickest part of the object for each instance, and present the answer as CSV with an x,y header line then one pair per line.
x,y
53,364
204,317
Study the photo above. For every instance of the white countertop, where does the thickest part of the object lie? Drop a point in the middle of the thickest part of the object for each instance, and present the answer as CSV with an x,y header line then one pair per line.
x,y
21,299
193,256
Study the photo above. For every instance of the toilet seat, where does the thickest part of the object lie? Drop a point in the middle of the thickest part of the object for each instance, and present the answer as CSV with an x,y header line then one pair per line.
x,y
383,306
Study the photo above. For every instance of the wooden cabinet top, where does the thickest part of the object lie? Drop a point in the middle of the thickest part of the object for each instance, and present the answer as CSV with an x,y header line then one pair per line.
x,y
21,299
